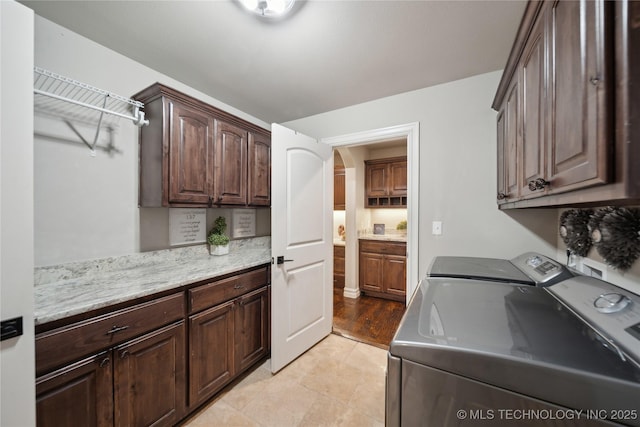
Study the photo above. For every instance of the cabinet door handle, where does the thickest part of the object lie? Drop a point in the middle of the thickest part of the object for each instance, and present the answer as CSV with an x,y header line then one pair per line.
x,y
116,329
124,354
501,196
237,287
538,184
594,80
104,362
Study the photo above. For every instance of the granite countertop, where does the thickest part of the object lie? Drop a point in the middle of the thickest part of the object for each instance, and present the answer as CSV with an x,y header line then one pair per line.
x,y
70,289
385,237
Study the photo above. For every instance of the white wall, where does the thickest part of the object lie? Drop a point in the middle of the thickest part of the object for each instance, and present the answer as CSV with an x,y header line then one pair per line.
x,y
87,207
457,168
17,355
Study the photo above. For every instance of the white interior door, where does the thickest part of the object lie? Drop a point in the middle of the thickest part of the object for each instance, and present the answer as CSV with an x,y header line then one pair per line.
x,y
301,221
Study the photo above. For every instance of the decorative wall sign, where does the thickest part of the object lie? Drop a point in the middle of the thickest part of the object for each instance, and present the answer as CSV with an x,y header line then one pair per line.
x,y
187,226
243,223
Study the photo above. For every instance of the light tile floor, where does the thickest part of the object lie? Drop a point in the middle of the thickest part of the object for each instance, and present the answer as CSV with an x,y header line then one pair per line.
x,y
338,382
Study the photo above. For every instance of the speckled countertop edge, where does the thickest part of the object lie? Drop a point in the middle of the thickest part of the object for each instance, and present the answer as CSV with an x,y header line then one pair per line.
x,y
66,290
384,237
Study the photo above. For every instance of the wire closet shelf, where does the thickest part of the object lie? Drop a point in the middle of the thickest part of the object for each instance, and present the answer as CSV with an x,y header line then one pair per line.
x,y
72,99
62,88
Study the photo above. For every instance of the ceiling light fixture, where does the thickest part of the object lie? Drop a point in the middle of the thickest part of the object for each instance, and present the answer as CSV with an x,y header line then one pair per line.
x,y
268,8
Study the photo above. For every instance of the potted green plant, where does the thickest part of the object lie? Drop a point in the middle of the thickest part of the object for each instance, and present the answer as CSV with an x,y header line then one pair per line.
x,y
218,241
402,227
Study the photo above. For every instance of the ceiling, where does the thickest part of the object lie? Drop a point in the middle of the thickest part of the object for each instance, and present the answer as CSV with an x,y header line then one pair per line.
x,y
325,55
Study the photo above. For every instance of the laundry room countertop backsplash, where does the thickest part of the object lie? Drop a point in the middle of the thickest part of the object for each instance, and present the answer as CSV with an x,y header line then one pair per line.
x,y
74,288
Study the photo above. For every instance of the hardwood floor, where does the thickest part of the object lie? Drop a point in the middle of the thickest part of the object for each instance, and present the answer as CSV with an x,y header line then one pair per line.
x,y
366,319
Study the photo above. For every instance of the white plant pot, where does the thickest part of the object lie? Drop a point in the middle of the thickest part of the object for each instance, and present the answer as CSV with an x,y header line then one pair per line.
x,y
219,250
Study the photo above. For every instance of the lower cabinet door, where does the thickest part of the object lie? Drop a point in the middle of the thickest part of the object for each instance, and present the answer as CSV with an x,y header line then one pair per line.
x,y
371,272
394,275
211,352
80,394
150,379
251,328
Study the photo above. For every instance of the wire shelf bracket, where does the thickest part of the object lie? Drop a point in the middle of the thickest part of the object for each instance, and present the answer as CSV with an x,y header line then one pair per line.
x,y
51,89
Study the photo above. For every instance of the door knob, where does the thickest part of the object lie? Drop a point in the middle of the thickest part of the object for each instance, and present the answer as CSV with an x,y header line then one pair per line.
x,y
281,260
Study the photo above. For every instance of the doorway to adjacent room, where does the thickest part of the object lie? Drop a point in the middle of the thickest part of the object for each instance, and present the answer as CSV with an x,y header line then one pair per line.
x,y
367,317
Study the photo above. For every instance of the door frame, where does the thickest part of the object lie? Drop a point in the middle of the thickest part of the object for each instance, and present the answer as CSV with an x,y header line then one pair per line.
x,y
410,131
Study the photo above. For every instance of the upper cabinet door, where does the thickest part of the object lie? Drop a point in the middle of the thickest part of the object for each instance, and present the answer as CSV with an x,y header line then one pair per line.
x,y
501,163
532,74
511,143
507,133
398,175
579,127
259,170
231,164
190,154
376,180
339,188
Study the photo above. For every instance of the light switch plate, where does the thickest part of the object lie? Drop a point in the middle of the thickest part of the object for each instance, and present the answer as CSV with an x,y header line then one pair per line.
x,y
436,228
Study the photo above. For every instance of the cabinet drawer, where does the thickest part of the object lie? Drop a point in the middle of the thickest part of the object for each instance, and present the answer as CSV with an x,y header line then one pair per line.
x,y
338,251
65,344
219,291
382,247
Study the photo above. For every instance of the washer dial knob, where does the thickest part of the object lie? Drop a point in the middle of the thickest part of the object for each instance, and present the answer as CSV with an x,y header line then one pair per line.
x,y
611,302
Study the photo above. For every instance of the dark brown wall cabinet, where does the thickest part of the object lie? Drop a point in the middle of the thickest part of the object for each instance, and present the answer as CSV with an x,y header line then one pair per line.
x,y
130,367
383,268
193,154
339,189
386,183
338,266
565,103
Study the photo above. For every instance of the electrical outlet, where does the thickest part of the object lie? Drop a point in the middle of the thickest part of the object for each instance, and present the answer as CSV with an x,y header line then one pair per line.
x,y
436,228
594,269
587,266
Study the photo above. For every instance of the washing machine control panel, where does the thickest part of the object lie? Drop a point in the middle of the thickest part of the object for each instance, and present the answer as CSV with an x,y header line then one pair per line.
x,y
611,311
541,269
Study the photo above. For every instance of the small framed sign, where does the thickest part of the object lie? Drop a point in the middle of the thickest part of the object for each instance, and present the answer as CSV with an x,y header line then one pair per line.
x,y
378,228
243,223
187,226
